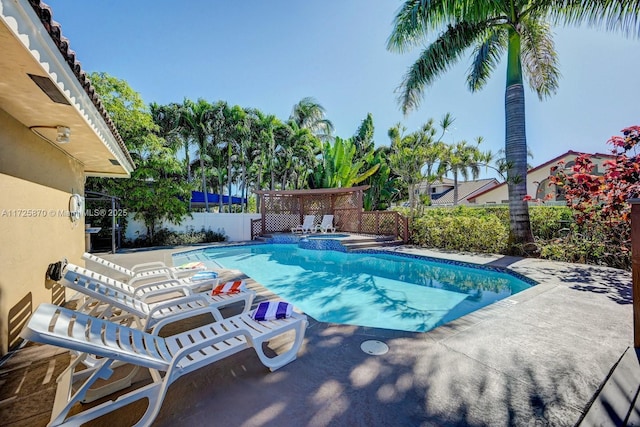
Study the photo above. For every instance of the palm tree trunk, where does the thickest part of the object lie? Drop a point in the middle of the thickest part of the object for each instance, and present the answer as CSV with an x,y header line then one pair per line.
x,y
516,157
455,187
412,203
229,176
188,165
186,159
204,186
516,146
259,184
243,189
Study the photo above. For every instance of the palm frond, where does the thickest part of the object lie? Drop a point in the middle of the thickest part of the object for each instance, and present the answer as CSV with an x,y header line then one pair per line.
x,y
486,57
614,15
415,19
436,59
539,57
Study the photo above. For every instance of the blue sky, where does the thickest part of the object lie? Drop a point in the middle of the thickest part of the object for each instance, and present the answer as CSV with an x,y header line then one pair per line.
x,y
270,54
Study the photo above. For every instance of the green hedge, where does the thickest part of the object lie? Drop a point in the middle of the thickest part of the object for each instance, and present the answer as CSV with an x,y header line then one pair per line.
x,y
484,229
460,232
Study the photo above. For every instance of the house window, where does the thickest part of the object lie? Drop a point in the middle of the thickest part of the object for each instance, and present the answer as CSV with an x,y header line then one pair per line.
x,y
433,190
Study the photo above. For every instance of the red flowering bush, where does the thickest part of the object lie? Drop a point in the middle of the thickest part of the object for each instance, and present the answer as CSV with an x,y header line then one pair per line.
x,y
600,203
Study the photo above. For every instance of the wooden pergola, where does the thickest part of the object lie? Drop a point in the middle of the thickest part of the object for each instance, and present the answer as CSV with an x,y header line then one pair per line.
x,y
282,210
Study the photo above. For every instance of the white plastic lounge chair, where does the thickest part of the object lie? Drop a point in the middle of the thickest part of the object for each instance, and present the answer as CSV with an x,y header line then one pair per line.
x,y
199,282
135,310
166,358
307,225
146,271
326,224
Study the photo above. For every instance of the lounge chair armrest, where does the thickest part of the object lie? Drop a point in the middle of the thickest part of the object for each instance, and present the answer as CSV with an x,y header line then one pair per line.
x,y
214,340
160,277
148,266
144,292
186,351
207,308
210,309
164,270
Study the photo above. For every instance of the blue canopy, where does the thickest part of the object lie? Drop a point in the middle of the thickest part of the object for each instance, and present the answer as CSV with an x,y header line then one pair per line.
x,y
197,197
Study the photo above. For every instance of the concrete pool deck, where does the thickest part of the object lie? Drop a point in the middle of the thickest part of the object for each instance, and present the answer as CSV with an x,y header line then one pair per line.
x,y
536,358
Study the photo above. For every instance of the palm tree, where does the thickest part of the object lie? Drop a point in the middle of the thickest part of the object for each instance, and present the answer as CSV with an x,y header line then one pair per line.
x,y
197,118
305,148
406,159
245,129
308,114
167,118
221,128
493,28
460,159
433,150
266,147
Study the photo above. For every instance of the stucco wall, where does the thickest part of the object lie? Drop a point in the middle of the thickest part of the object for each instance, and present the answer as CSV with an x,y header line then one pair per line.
x,y
36,182
537,184
236,226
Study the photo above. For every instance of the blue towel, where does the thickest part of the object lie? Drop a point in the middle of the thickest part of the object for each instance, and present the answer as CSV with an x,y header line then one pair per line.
x,y
273,310
204,275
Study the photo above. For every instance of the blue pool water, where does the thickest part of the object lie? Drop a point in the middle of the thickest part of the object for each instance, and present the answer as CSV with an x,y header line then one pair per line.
x,y
377,290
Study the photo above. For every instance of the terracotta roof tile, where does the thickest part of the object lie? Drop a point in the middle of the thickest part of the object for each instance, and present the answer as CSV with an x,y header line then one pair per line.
x,y
465,190
53,28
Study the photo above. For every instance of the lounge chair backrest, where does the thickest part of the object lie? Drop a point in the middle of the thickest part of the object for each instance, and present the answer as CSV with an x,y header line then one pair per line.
x,y
327,221
89,274
108,264
81,280
87,334
309,220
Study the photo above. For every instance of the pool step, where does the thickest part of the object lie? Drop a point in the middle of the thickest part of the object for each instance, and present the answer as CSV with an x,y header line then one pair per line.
x,y
371,242
356,243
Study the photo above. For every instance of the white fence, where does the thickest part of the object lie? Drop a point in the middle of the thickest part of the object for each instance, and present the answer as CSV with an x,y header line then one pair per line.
x,y
236,226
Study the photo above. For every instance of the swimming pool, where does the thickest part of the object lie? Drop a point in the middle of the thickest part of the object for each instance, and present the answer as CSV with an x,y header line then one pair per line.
x,y
366,289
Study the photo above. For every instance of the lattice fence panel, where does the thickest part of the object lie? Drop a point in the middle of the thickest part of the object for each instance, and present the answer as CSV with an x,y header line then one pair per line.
x,y
346,220
387,223
256,228
368,225
276,223
346,201
317,205
282,205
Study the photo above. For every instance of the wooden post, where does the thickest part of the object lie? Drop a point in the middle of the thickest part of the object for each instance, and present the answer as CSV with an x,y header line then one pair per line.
x,y
263,212
360,205
635,263
395,229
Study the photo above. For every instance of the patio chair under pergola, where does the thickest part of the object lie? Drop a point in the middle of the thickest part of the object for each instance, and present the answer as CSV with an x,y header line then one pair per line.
x,y
282,210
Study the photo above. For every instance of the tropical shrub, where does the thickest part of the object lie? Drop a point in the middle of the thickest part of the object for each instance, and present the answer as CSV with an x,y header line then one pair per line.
x,y
549,222
166,237
600,203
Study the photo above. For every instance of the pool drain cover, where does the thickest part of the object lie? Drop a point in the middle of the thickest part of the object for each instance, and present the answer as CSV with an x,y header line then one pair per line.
x,y
374,347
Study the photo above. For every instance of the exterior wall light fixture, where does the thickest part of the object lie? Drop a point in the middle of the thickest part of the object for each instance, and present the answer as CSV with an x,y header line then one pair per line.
x,y
62,134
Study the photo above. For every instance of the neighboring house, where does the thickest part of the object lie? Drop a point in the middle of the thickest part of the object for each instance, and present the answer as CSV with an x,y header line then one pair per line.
x,y
538,180
441,191
54,132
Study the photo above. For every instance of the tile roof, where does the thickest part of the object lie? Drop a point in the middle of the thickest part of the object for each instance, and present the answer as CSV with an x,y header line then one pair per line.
x,y
45,14
465,190
550,163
